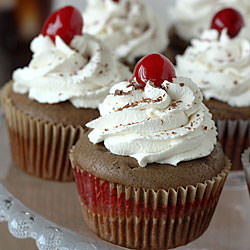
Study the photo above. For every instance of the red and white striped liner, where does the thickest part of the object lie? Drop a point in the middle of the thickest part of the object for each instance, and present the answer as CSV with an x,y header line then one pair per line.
x,y
141,218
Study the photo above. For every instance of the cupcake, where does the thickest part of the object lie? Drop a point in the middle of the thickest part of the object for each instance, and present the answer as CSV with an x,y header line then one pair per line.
x,y
129,27
49,102
219,62
152,173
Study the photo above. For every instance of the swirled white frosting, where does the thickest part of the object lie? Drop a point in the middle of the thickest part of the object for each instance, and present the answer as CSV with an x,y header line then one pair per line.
x,y
220,67
81,73
163,125
128,26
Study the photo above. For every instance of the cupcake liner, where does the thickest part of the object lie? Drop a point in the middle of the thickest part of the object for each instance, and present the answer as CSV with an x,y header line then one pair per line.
x,y
40,148
234,136
141,218
245,159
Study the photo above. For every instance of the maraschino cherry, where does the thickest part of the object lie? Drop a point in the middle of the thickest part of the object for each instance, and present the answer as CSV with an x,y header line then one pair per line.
x,y
154,67
230,19
65,22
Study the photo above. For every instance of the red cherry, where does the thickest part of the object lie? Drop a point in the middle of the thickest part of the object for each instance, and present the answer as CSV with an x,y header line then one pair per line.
x,y
154,67
117,1
230,19
65,22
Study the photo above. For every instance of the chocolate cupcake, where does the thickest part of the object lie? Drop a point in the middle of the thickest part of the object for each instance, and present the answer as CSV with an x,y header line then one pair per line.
x,y
129,27
48,102
219,62
153,174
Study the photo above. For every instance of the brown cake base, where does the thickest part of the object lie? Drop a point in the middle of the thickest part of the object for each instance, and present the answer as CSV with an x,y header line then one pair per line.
x,y
156,207
42,134
233,126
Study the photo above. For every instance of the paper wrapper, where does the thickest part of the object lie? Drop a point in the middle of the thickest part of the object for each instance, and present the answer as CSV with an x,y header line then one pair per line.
x,y
40,148
234,136
141,218
245,158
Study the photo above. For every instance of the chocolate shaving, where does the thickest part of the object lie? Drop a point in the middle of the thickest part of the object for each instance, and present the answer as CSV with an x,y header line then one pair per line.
x,y
119,92
144,100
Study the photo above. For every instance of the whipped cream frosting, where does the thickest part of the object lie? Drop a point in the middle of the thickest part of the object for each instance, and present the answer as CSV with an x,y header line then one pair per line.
x,y
166,125
220,67
128,26
81,73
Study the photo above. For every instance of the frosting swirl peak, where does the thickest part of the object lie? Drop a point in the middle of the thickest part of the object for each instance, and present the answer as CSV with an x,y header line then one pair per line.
x,y
167,125
81,73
